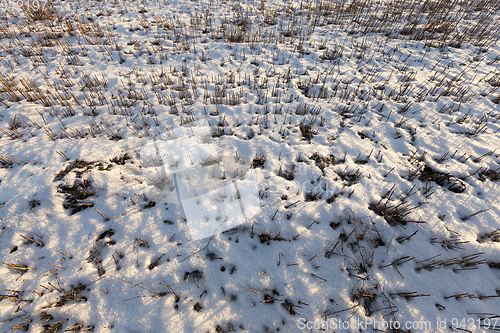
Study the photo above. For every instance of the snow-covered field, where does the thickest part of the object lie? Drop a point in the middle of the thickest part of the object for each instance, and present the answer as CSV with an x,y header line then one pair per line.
x,y
250,166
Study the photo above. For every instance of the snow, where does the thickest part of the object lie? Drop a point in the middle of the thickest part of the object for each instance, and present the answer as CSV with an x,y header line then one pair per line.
x,y
175,180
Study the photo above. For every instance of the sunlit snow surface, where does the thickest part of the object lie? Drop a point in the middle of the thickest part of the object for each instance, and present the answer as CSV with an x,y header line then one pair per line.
x,y
158,172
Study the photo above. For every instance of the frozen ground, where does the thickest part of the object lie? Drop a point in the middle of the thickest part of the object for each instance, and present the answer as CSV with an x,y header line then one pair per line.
x,y
371,129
